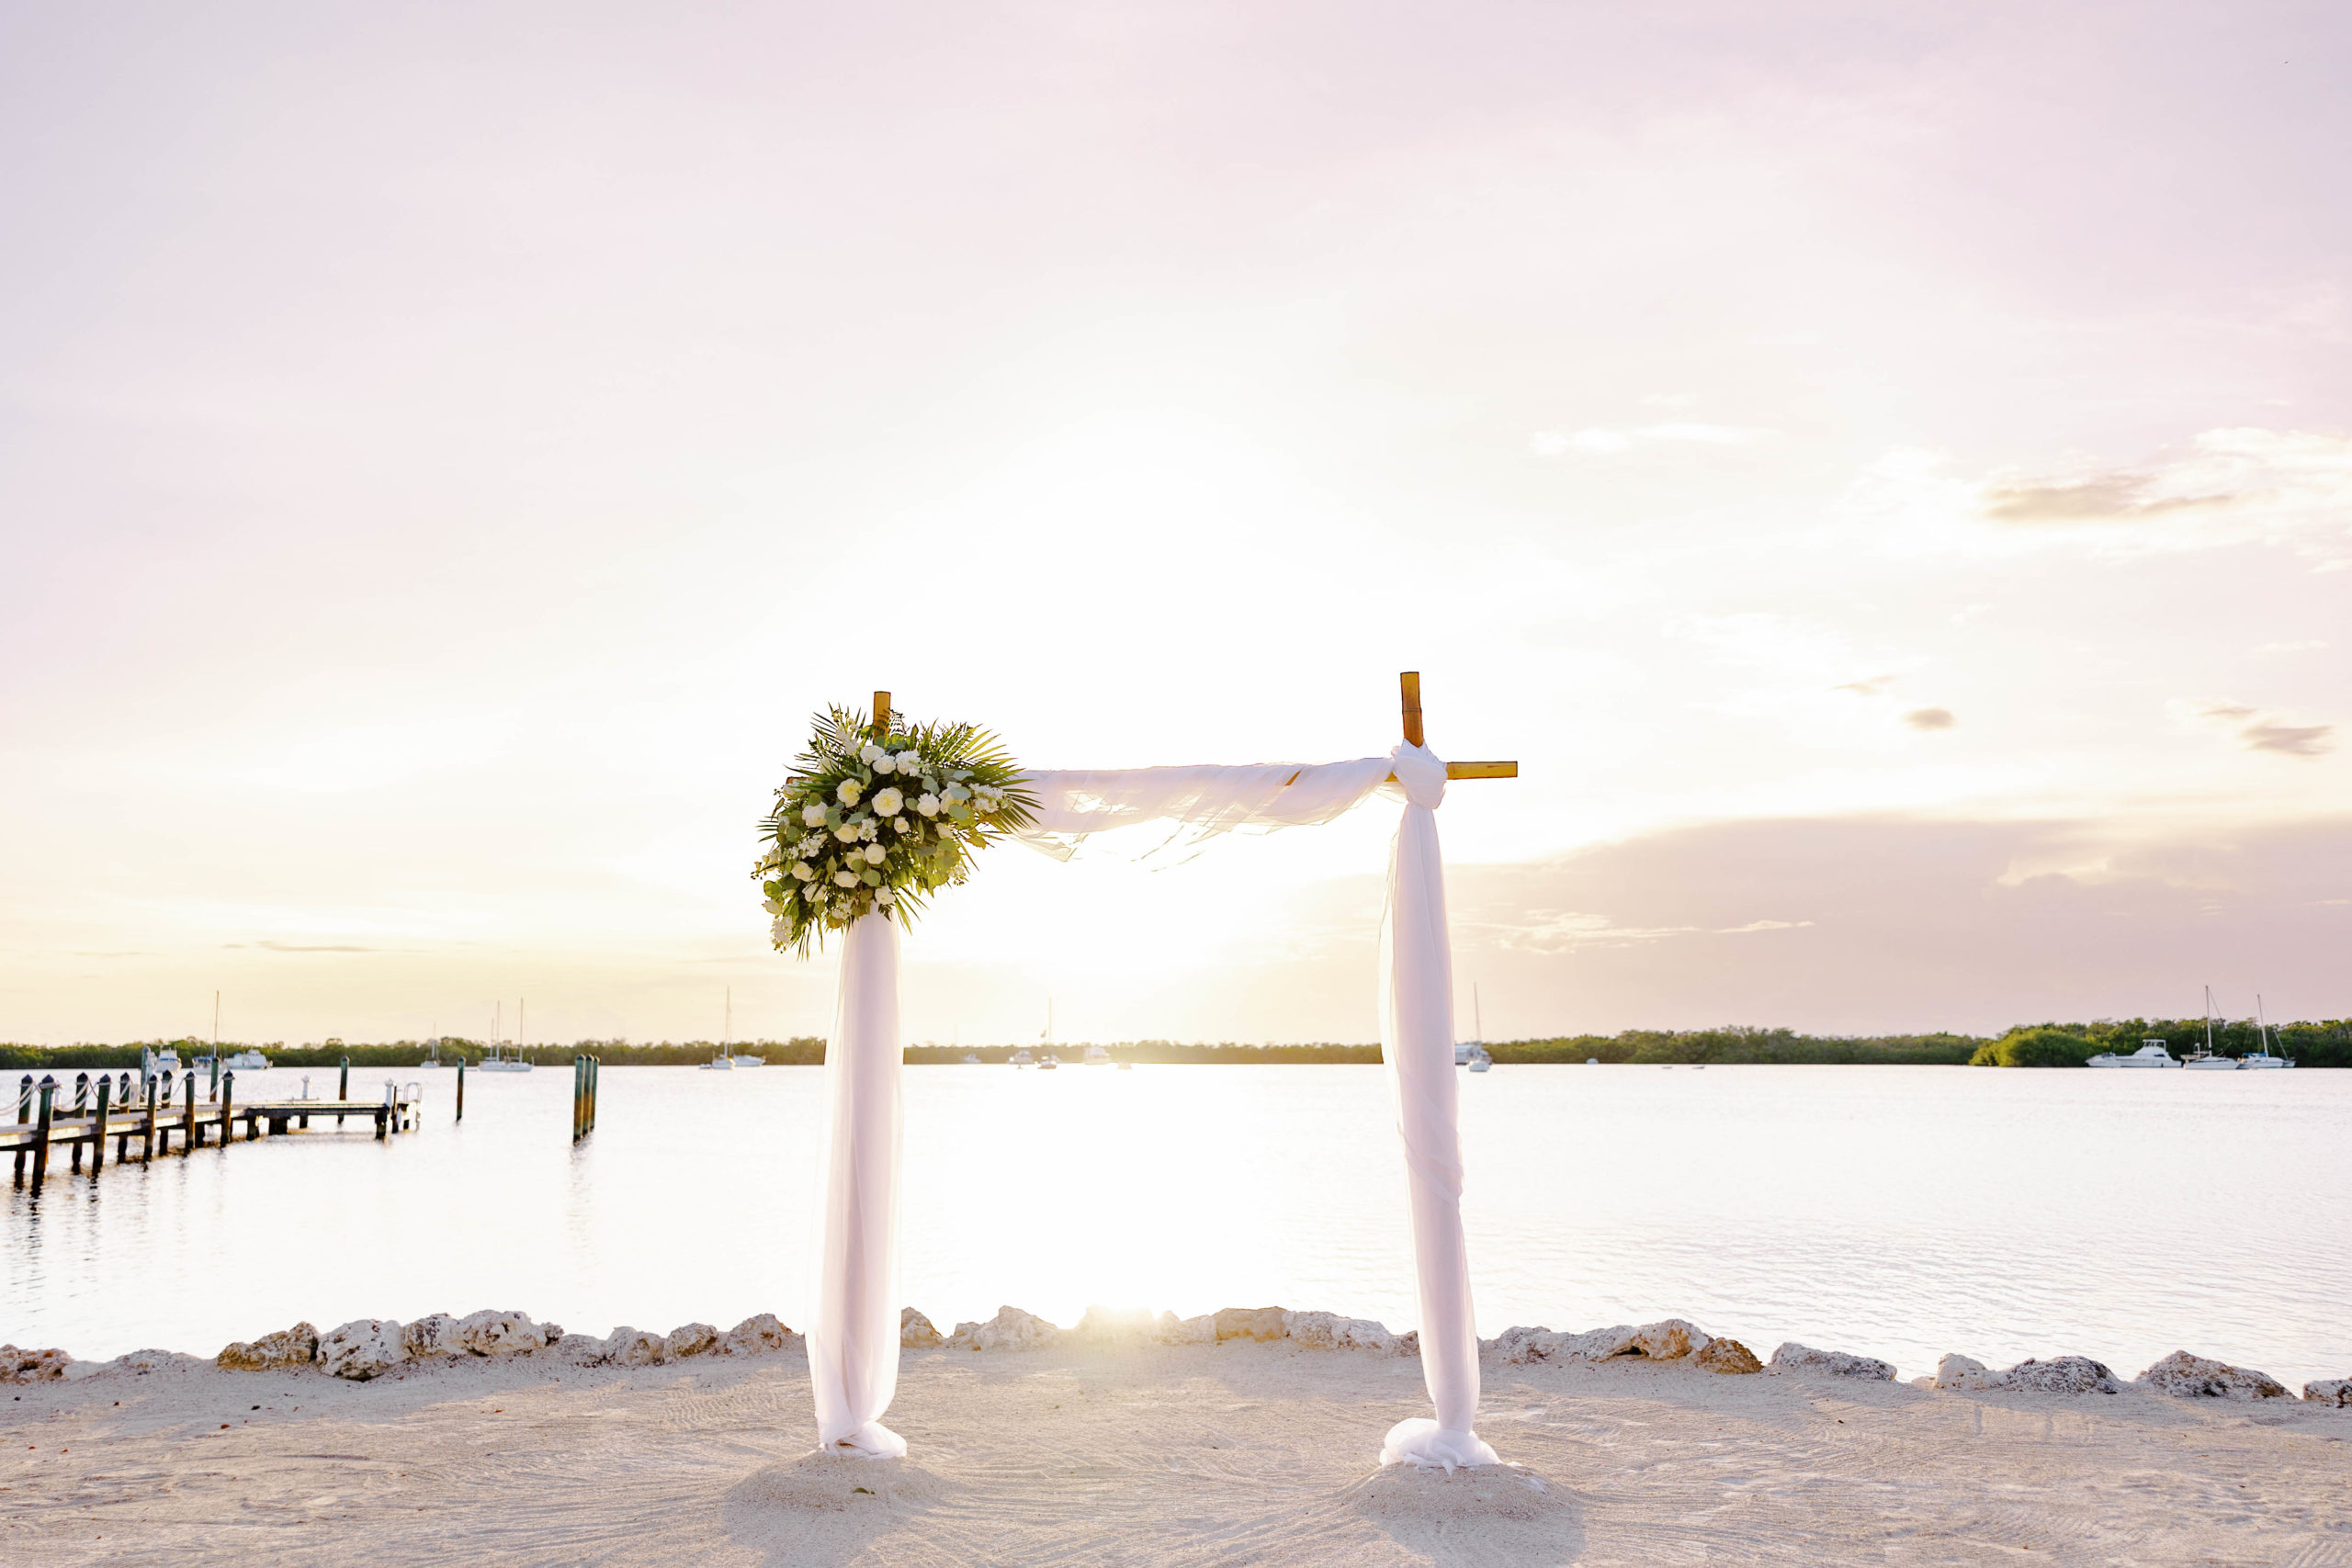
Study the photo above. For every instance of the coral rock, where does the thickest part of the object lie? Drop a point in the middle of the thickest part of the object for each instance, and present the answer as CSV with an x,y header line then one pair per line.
x,y
1330,1331
1725,1356
1253,1322
501,1334
434,1333
2331,1391
689,1339
2184,1376
1956,1371
2060,1374
144,1362
762,1334
31,1366
362,1348
1795,1357
633,1347
1010,1329
579,1350
1173,1330
917,1332
295,1346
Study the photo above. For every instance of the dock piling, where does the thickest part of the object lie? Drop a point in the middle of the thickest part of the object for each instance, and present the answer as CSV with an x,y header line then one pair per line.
x,y
228,1107
147,1132
80,1107
192,1137
461,1087
98,1128
342,1085
40,1133
24,1115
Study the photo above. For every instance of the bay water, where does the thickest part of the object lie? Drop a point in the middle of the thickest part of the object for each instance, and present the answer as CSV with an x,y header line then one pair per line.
x,y
1896,1212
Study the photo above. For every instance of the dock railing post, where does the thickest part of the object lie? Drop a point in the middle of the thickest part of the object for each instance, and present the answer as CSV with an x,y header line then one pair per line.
x,y
24,1117
595,1072
461,1085
147,1135
579,1088
98,1128
192,1137
213,1092
342,1085
41,1132
81,1109
228,1107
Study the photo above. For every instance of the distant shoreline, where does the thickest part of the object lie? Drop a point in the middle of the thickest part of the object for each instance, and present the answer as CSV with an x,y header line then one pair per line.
x,y
2321,1044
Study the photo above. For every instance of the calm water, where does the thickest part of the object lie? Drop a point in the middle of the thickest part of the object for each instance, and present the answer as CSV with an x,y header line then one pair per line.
x,y
1902,1211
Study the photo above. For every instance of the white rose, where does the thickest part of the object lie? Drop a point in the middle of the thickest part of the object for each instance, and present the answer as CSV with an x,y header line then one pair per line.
x,y
846,832
928,804
882,896
909,760
876,854
902,825
868,832
845,878
868,752
889,801
849,792
812,816
884,763
800,869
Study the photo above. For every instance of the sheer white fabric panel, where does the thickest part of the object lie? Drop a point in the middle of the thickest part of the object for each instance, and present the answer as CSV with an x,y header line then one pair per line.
x,y
853,1332
1207,799
1417,1041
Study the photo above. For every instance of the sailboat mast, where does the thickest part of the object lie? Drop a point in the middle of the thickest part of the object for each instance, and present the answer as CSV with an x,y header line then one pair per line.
x,y
1477,1014
215,1024
2209,1021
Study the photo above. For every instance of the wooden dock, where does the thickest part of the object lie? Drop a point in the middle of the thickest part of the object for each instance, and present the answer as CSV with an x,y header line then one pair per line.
x,y
43,1127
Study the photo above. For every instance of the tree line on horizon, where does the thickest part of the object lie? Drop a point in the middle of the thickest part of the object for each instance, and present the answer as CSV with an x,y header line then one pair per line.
x,y
2311,1044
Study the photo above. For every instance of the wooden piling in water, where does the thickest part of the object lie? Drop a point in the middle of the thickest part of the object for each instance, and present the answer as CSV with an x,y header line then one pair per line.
x,y
80,1107
342,1085
99,1129
461,1087
192,1137
40,1133
595,1074
24,1117
147,1133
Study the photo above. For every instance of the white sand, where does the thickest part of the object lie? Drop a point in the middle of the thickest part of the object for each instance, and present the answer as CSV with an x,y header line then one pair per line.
x,y
1230,1454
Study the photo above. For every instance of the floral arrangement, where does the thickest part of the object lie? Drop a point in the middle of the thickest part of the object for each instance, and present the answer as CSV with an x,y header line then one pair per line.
x,y
873,821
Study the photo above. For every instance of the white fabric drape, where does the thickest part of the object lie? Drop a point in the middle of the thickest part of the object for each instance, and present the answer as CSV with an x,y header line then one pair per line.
x,y
1417,1041
853,1332
854,1343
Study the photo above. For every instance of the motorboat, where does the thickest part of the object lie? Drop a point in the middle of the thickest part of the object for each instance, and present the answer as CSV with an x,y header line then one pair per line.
x,y
1479,1060
722,1063
744,1059
2263,1059
1049,1063
246,1060
502,1059
1096,1056
161,1062
1022,1059
2151,1053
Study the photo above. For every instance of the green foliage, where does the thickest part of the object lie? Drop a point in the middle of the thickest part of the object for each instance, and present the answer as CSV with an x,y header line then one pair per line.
x,y
870,822
2044,1046
1737,1044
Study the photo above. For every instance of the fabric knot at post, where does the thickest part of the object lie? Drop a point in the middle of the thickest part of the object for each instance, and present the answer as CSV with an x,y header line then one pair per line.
x,y
1420,774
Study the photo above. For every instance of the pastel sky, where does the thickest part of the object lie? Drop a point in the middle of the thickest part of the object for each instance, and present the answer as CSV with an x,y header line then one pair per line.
x,y
1885,472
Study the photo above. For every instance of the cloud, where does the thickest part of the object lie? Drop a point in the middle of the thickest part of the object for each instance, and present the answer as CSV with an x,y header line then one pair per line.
x,y
2259,731
2267,481
323,947
1870,688
1930,718
2107,498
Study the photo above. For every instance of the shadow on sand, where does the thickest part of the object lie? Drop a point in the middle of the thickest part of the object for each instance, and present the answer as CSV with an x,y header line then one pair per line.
x,y
1488,1516
821,1510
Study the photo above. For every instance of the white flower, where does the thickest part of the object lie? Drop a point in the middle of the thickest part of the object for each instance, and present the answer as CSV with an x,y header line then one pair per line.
x,y
812,816
868,752
846,832
845,878
876,854
849,792
868,832
885,763
889,801
800,869
902,825
883,897
928,804
909,760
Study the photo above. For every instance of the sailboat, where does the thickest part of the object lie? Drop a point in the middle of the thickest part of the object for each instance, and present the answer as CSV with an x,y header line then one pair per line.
x,y
502,1057
1049,1062
2202,1059
2263,1059
1473,1054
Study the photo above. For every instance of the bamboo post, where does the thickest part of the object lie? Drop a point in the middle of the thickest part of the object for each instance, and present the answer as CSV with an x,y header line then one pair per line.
x,y
1408,684
461,1088
24,1118
342,1087
98,1128
881,714
41,1132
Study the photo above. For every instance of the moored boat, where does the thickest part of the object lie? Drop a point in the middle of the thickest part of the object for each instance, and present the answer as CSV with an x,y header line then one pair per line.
x,y
2151,1053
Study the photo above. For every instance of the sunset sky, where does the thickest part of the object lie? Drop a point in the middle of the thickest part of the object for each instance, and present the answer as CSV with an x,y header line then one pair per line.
x,y
1885,472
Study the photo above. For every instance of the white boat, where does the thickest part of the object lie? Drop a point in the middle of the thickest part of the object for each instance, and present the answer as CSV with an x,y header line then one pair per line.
x,y
2202,1059
433,1053
502,1059
2263,1059
2151,1053
1096,1056
1022,1058
1049,1063
971,1060
720,1064
1479,1061
1472,1054
246,1060
741,1060
161,1062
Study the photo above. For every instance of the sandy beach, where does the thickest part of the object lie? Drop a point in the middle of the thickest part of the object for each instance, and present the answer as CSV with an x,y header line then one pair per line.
x,y
1232,1453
